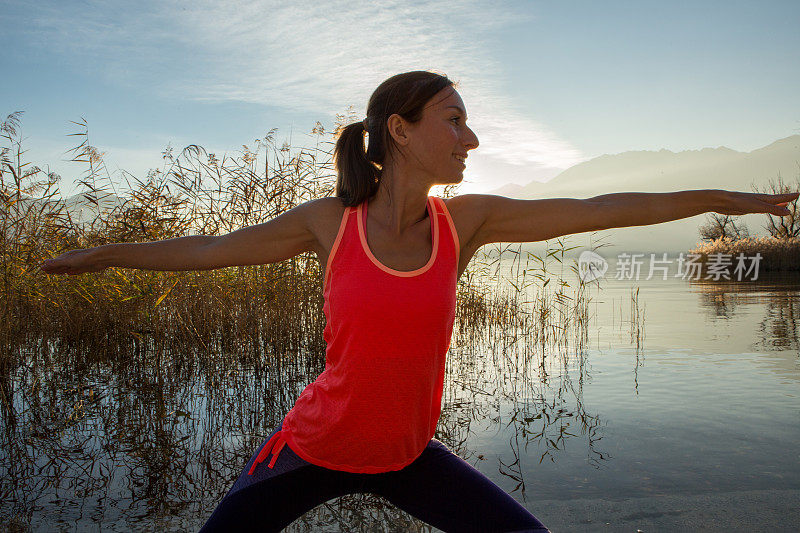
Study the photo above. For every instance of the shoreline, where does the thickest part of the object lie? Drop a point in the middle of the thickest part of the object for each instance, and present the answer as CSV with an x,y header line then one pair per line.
x,y
748,510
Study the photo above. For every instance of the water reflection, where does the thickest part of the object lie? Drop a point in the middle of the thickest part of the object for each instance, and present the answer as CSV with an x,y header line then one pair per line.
x,y
147,439
150,437
779,294
531,394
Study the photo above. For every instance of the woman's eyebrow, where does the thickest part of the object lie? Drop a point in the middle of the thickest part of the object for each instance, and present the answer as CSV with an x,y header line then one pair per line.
x,y
459,108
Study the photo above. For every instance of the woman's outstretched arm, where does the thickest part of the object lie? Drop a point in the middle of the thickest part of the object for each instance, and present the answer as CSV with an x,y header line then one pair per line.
x,y
511,220
282,237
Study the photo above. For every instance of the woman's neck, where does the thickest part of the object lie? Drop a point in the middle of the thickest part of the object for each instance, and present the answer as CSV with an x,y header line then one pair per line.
x,y
399,204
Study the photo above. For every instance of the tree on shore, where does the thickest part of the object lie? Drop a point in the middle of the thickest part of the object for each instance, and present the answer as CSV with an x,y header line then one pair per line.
x,y
783,227
780,227
718,226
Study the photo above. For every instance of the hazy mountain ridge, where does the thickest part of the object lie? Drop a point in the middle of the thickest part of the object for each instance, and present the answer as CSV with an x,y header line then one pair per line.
x,y
80,209
666,171
635,171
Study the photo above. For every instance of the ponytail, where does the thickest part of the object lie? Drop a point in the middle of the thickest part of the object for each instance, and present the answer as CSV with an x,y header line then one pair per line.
x,y
357,177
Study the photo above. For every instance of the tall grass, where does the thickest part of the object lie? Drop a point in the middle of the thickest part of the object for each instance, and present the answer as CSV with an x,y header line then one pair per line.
x,y
777,253
173,378
169,380
272,310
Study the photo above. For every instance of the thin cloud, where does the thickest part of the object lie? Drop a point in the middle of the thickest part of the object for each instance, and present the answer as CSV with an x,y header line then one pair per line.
x,y
317,57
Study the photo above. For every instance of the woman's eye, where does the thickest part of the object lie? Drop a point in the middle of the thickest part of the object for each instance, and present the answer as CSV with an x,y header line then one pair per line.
x,y
455,118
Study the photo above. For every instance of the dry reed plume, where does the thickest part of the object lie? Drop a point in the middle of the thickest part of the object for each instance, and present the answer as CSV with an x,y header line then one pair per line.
x,y
161,373
777,253
252,312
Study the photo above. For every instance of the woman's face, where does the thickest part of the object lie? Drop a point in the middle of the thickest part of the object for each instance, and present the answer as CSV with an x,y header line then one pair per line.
x,y
439,142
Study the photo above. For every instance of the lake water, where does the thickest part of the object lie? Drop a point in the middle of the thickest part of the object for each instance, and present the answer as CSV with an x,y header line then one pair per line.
x,y
686,417
693,426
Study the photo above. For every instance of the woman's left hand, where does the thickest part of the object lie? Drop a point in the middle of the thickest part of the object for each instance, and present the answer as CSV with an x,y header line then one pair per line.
x,y
742,203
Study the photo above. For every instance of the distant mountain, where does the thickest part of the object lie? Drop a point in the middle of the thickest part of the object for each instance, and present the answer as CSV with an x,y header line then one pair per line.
x,y
86,210
80,209
667,171
512,190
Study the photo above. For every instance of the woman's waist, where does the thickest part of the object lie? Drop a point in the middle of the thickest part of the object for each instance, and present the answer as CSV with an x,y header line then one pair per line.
x,y
376,427
348,404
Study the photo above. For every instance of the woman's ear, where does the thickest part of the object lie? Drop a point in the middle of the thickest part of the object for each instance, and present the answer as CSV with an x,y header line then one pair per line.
x,y
398,129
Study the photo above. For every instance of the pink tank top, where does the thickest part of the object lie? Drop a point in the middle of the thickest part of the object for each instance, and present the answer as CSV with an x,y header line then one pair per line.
x,y
376,405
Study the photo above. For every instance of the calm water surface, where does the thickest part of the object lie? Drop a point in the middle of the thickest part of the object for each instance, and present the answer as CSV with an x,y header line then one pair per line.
x,y
692,391
707,402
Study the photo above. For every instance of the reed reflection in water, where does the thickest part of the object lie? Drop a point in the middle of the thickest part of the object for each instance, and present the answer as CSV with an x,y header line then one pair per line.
x,y
554,395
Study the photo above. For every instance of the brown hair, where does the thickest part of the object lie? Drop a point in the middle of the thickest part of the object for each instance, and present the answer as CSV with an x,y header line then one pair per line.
x,y
358,169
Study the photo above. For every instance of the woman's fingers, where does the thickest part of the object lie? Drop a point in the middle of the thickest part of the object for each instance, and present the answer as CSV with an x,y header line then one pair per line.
x,y
49,266
72,263
55,266
777,202
778,199
742,203
781,209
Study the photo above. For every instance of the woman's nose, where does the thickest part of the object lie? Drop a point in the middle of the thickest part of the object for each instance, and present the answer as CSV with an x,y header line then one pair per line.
x,y
472,140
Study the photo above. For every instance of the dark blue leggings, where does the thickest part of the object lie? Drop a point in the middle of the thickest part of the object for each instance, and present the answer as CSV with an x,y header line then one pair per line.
x,y
438,487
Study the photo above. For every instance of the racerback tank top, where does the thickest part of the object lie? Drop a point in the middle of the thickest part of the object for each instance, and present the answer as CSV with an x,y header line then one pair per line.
x,y
376,405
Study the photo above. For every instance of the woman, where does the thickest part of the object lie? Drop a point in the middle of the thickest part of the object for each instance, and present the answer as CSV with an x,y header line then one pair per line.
x,y
392,256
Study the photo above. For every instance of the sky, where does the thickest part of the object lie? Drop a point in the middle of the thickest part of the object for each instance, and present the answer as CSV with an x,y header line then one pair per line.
x,y
546,84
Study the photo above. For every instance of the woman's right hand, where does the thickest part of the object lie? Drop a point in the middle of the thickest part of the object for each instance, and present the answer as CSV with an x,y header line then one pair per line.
x,y
74,262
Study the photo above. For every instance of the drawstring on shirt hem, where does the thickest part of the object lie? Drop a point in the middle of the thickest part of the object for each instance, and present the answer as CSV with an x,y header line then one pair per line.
x,y
275,444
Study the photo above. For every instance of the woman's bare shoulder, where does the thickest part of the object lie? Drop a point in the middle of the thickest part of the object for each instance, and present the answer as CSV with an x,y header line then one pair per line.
x,y
325,215
327,202
328,208
467,215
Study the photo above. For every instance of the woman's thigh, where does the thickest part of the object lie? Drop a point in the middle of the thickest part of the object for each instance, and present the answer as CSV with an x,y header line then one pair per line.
x,y
447,492
272,498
